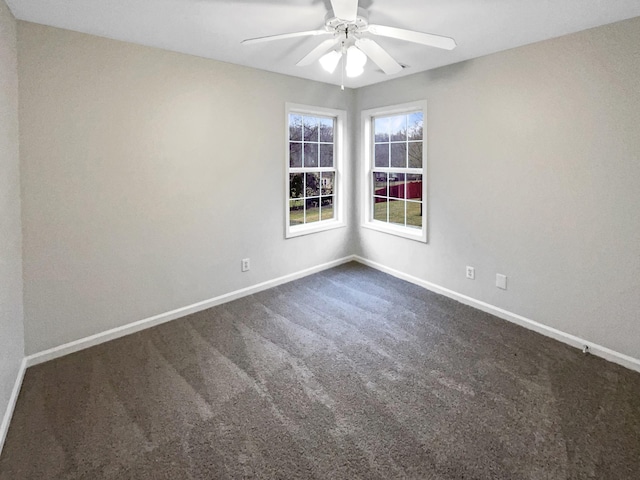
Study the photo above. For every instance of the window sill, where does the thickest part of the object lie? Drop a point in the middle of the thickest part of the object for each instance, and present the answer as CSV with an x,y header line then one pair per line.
x,y
404,232
300,230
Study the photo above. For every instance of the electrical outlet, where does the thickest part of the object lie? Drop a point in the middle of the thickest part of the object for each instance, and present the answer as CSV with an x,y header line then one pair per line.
x,y
501,281
246,265
471,273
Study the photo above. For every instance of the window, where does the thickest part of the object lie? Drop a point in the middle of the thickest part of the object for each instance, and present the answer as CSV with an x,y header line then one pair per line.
x,y
395,170
314,160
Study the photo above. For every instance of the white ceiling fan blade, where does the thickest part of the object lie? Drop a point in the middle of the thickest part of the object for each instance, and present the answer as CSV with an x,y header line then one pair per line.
x,y
378,55
345,9
317,52
429,39
309,33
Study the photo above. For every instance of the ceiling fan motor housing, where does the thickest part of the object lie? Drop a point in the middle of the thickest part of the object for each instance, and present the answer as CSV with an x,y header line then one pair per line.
x,y
346,28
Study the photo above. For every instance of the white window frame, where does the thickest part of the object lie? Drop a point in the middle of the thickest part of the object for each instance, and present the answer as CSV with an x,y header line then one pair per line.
x,y
339,200
368,167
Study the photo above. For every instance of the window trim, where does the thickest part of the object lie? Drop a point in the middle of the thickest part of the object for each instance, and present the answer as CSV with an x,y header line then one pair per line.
x,y
367,171
339,200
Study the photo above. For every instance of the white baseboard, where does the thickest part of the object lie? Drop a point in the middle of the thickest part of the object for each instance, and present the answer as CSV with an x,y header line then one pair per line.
x,y
6,419
143,324
71,347
595,349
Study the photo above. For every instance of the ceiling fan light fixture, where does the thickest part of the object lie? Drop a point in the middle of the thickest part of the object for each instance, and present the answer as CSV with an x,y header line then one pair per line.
x,y
356,58
329,61
354,71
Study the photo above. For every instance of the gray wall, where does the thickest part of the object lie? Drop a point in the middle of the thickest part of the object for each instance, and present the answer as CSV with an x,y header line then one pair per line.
x,y
11,316
147,177
534,172
138,163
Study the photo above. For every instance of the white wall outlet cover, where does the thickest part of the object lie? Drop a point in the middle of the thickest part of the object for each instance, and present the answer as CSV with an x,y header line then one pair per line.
x,y
501,281
245,264
471,273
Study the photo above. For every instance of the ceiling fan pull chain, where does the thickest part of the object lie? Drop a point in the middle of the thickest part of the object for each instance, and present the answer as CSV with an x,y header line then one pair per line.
x,y
342,67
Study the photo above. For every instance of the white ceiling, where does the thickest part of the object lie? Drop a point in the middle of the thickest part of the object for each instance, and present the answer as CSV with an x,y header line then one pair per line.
x,y
215,28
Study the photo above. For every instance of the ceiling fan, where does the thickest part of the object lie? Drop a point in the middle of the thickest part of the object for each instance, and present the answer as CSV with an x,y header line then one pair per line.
x,y
348,25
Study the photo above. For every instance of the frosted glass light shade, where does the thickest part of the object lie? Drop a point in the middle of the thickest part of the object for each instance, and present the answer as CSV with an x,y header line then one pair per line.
x,y
329,61
356,58
354,72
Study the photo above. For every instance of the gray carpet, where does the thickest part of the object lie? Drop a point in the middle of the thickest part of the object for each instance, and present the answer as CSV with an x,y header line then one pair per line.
x,y
346,374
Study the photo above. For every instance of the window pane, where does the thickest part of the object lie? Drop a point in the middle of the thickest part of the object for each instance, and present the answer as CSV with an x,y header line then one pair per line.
x,y
415,154
326,155
397,173
312,174
414,214
414,127
295,127
382,155
326,183
312,213
296,185
326,210
310,129
380,184
399,155
310,154
381,129
397,211
414,186
312,184
326,129
296,212
396,185
295,155
398,128
380,208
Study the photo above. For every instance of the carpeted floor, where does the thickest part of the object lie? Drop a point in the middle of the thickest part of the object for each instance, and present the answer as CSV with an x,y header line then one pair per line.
x,y
346,374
